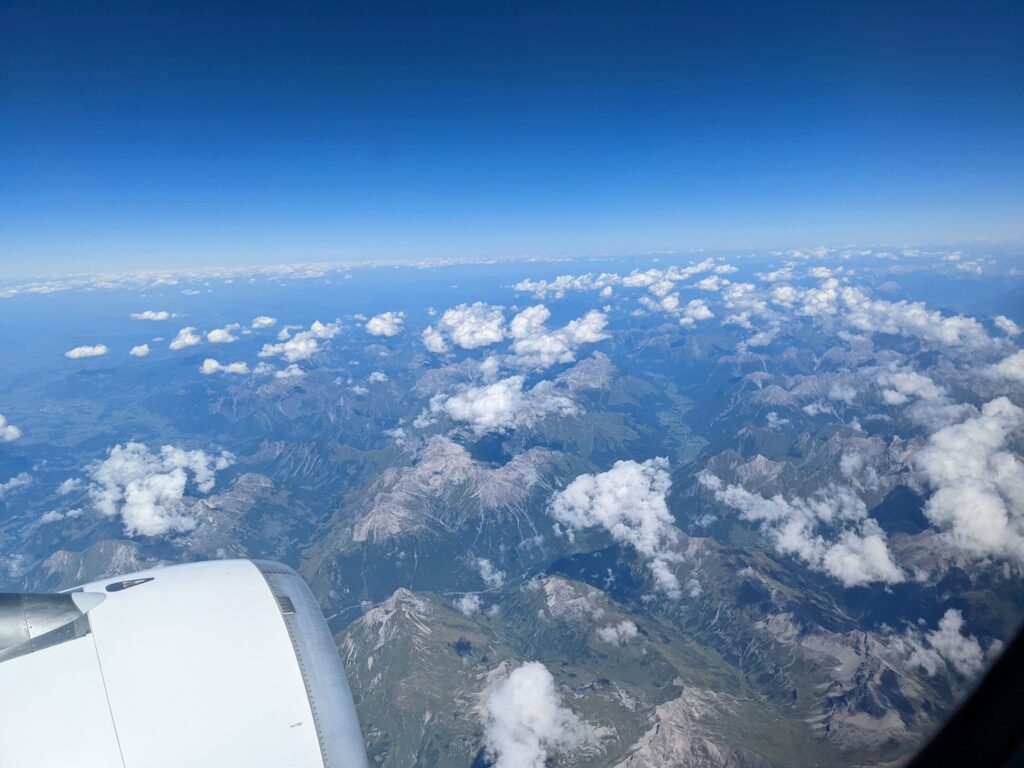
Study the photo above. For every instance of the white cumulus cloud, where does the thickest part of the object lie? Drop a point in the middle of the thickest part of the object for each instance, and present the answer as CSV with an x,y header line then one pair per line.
x,y
8,432
829,530
225,335
1007,326
712,283
468,604
55,515
147,490
19,481
503,405
1010,368
618,634
946,645
557,288
468,326
627,501
978,499
911,319
303,345
492,576
525,722
385,324
693,311
661,281
187,337
152,314
901,386
139,351
293,371
535,346
86,351
263,321
211,366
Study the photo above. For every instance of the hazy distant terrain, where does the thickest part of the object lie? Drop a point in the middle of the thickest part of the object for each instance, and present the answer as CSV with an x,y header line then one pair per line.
x,y
707,510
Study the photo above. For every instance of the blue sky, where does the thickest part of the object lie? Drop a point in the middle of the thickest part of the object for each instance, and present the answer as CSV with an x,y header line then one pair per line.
x,y
148,135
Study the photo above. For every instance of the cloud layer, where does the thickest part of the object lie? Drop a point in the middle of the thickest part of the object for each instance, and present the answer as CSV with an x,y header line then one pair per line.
x,y
525,721
492,577
627,501
147,490
1010,368
503,405
302,345
187,337
535,346
829,530
468,326
211,366
96,350
385,324
618,634
225,335
948,645
19,481
8,432
978,499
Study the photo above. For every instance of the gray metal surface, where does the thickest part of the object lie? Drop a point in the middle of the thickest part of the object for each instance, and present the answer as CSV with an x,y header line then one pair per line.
x,y
337,725
31,622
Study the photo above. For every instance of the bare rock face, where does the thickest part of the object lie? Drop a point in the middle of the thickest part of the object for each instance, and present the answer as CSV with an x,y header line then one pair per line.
x,y
417,668
687,732
446,486
65,569
759,471
594,372
874,699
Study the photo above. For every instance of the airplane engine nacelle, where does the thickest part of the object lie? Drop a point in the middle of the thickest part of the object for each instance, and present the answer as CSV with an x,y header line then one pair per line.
x,y
223,663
